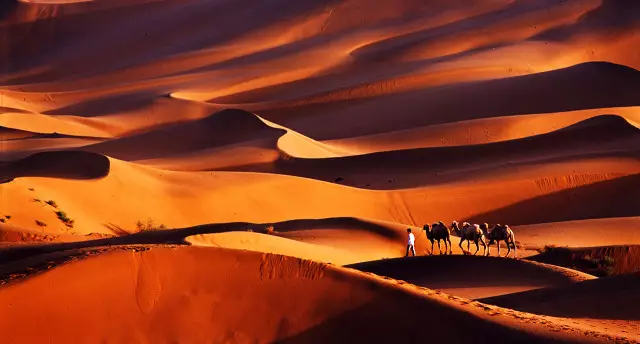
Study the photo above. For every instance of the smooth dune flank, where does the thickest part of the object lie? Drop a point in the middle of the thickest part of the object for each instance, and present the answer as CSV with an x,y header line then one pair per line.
x,y
298,301
246,171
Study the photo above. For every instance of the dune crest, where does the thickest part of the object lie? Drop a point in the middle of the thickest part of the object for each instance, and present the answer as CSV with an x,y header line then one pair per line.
x,y
217,171
344,300
64,164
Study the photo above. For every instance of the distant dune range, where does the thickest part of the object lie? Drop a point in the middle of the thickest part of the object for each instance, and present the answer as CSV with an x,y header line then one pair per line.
x,y
243,158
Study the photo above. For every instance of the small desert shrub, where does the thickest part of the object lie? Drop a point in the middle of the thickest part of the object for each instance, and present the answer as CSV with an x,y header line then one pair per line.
x,y
149,226
269,229
52,203
36,200
62,216
40,223
3,220
601,267
8,217
554,248
32,189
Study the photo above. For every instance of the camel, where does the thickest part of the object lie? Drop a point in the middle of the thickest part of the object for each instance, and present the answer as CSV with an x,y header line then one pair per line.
x,y
470,233
501,232
438,231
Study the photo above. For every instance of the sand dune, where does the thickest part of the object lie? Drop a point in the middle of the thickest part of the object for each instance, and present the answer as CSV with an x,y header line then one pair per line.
x,y
582,299
222,128
526,94
582,233
70,164
591,201
578,140
606,303
160,124
180,199
35,122
274,244
17,143
327,240
478,131
473,277
345,303
599,260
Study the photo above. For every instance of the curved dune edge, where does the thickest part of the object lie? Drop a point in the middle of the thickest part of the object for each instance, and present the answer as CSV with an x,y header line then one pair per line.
x,y
57,164
296,145
416,167
580,300
473,276
478,131
581,233
167,196
66,125
225,128
329,240
583,88
345,303
599,260
276,245
339,241
292,144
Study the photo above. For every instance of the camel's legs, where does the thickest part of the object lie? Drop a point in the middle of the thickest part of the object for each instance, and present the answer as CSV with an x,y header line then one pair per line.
x,y
431,253
477,247
498,243
460,244
439,249
486,251
469,245
450,249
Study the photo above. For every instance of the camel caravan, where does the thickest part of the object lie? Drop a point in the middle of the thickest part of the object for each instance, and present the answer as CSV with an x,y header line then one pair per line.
x,y
479,234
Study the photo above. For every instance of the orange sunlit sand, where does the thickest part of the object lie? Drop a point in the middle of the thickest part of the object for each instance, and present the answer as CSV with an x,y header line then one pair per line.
x,y
246,171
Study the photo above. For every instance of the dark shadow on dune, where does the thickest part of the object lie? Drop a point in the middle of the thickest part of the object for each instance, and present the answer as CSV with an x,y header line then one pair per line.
x,y
458,271
106,106
583,86
7,7
8,134
605,135
599,261
224,127
388,49
335,222
393,318
611,17
177,236
49,41
611,198
57,164
604,298
333,80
